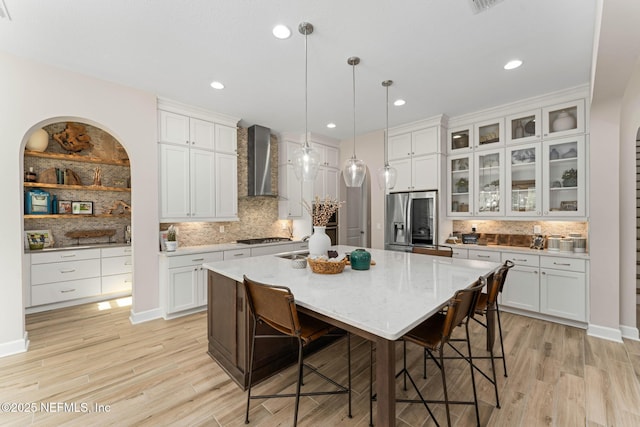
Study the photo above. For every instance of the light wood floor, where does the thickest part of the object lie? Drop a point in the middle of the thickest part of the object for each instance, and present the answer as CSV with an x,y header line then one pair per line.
x,y
158,373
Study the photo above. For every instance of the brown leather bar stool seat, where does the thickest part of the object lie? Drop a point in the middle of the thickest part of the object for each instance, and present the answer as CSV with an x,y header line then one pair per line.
x,y
275,306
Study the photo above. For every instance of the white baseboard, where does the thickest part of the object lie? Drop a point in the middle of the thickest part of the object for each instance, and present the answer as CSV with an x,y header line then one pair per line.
x,y
145,316
604,332
630,332
15,347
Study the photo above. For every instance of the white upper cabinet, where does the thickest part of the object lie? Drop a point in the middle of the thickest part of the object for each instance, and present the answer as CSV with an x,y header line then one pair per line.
x,y
175,181
329,156
459,179
203,184
564,177
415,156
400,146
226,172
174,128
226,139
563,119
202,134
524,127
489,134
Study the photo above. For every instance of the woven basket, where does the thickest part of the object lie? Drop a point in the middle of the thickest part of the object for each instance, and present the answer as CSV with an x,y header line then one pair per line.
x,y
321,266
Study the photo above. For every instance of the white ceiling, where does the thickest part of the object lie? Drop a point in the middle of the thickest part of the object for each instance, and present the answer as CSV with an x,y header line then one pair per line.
x,y
441,56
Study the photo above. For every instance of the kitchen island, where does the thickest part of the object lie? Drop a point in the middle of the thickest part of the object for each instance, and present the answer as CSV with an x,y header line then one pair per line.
x,y
379,304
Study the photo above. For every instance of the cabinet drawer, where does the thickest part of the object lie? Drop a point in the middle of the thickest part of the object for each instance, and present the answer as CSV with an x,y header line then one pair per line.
x,y
117,283
65,271
236,253
63,291
116,265
57,256
269,250
298,246
484,255
194,259
521,259
119,251
460,253
568,264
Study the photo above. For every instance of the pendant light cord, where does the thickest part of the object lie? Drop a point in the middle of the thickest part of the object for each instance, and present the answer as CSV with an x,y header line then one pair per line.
x,y
386,134
353,67
306,90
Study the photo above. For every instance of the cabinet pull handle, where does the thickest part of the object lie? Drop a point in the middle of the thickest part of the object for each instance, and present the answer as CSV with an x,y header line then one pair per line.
x,y
198,259
127,250
484,256
520,259
127,281
562,263
68,256
240,254
68,271
67,291
127,263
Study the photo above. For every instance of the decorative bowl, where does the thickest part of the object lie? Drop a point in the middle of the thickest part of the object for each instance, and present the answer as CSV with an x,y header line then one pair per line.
x,y
323,266
299,262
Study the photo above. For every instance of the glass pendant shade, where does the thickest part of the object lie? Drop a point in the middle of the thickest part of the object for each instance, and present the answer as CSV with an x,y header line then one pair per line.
x,y
354,172
306,161
387,176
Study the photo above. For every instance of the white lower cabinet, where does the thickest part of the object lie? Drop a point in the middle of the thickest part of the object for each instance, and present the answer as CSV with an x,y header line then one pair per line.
x,y
460,253
563,288
548,285
66,275
184,281
484,255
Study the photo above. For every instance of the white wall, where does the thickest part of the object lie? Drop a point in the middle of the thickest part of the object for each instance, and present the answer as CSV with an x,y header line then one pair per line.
x,y
33,93
370,149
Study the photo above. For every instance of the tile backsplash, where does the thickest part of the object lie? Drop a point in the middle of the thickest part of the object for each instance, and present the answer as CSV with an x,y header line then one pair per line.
x,y
522,227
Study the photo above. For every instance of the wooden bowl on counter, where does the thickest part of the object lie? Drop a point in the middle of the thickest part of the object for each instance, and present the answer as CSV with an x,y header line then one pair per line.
x,y
322,266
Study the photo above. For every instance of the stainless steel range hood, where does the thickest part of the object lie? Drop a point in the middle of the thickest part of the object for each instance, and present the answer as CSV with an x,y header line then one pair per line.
x,y
259,161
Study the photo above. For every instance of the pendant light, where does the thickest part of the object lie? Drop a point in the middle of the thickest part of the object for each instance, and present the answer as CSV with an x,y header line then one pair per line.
x,y
387,174
354,170
305,159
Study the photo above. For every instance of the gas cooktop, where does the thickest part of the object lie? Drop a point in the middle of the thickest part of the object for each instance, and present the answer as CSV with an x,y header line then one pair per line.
x,y
264,240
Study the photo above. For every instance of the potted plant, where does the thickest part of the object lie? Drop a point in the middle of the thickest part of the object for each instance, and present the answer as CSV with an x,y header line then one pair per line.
x,y
172,242
570,178
462,185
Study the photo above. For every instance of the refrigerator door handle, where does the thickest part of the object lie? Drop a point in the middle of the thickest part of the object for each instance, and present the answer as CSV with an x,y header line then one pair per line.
x,y
408,227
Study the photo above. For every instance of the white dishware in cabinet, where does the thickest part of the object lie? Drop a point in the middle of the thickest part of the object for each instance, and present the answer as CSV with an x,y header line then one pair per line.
x,y
523,180
488,183
564,177
460,178
564,119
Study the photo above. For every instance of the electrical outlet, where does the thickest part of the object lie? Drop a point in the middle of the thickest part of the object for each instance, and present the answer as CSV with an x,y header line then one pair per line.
x,y
474,228
537,229
222,228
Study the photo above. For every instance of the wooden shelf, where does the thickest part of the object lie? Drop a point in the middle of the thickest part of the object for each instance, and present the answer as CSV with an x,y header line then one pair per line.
x,y
76,158
77,187
76,216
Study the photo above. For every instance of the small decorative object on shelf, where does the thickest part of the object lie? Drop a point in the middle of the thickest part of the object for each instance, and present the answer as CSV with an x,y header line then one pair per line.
x,y
73,138
64,207
118,207
30,176
97,176
172,242
570,178
82,208
38,239
553,154
320,213
38,141
563,121
462,185
537,242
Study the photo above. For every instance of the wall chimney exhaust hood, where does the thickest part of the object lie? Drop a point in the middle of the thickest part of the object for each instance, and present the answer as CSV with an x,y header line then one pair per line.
x,y
259,161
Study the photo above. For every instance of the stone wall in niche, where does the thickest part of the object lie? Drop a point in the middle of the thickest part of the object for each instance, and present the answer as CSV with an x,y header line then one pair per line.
x,y
522,227
105,146
258,215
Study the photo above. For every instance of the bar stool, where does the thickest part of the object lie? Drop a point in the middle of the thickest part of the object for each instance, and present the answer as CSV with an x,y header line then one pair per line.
x,y
436,250
275,306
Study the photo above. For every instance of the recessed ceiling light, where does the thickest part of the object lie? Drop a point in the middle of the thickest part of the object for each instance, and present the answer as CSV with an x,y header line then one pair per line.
x,y
399,102
514,63
217,85
331,125
281,32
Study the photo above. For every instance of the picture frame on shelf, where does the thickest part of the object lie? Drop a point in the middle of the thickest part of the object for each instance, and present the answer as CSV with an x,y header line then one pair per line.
x,y
64,207
82,208
38,236
163,240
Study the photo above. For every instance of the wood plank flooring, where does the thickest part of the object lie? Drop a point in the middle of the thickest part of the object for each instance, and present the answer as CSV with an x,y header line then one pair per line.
x,y
158,373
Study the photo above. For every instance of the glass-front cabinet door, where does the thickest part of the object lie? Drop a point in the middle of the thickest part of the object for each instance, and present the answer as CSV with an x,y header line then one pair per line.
x,y
523,173
489,134
460,139
460,171
563,177
563,119
524,127
489,183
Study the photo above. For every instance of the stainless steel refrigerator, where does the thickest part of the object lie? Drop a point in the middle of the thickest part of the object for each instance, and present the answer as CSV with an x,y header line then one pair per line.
x,y
411,220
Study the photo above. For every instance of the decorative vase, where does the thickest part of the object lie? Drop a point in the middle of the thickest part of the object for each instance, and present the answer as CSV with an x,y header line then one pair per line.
x,y
563,121
38,141
319,242
360,259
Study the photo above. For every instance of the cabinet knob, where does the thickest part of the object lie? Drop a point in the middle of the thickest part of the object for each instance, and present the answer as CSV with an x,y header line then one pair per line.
x,y
535,272
544,273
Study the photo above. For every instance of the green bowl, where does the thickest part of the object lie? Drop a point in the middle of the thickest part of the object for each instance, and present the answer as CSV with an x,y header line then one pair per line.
x,y
36,246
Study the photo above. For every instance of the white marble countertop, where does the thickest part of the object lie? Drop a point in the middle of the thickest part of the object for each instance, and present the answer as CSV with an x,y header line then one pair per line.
x,y
504,248
389,299
77,247
188,250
